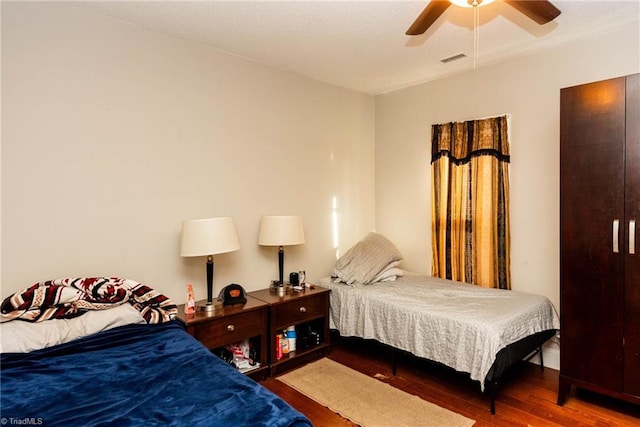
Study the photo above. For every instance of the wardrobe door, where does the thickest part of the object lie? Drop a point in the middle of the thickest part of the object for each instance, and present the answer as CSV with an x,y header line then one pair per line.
x,y
632,260
592,135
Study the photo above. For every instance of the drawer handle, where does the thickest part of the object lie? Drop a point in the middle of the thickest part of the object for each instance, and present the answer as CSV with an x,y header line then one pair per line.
x,y
231,328
303,309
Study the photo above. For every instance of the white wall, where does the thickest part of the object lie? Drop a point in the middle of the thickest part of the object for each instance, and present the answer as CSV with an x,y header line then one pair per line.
x,y
529,90
112,135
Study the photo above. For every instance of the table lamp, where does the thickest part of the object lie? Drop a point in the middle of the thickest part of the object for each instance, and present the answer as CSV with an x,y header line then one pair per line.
x,y
208,237
281,231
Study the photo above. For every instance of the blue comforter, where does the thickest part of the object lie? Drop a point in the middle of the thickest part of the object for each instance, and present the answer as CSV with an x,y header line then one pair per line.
x,y
137,375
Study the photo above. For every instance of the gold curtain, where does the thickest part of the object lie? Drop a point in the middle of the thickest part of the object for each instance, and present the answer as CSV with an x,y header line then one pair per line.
x,y
470,202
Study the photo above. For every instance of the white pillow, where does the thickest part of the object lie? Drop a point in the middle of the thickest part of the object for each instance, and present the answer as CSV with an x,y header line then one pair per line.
x,y
387,275
366,259
18,336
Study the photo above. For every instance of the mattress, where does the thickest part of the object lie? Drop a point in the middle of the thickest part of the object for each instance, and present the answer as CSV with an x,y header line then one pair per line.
x,y
140,374
457,324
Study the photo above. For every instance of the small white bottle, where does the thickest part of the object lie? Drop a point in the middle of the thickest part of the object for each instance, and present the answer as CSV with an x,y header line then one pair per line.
x,y
302,278
291,337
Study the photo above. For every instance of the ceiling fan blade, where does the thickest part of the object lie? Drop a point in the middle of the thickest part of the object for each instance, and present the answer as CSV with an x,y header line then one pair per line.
x,y
428,16
540,11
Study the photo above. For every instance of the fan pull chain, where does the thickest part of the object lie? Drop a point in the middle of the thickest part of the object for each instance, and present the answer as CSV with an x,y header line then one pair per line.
x,y
476,33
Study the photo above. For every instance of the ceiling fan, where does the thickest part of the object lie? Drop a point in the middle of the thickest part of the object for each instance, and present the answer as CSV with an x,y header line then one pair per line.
x,y
540,11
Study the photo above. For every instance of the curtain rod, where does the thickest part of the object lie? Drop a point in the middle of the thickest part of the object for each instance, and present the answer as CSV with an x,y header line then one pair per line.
x,y
478,118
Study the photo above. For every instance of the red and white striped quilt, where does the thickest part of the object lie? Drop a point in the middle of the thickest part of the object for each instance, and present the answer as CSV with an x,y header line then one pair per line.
x,y
71,297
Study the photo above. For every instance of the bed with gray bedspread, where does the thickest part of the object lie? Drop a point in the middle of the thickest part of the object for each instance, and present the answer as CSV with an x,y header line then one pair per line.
x,y
459,325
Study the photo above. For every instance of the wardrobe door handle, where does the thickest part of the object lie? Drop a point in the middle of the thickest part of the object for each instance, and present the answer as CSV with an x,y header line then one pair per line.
x,y
616,232
632,237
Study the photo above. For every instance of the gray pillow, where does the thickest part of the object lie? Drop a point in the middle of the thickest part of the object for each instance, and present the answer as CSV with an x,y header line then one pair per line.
x,y
366,259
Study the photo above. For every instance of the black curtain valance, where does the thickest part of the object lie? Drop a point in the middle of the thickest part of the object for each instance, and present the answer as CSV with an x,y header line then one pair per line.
x,y
461,141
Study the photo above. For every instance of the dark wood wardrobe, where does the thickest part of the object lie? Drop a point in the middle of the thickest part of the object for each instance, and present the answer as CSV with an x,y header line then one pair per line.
x,y
599,248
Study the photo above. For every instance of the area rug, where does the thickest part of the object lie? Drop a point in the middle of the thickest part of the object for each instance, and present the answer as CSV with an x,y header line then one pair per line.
x,y
367,401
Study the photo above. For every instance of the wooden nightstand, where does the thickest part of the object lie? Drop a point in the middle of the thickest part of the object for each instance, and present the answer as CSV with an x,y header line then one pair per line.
x,y
308,311
233,324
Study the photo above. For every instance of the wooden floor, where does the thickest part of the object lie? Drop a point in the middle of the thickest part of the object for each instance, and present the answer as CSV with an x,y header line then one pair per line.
x,y
527,396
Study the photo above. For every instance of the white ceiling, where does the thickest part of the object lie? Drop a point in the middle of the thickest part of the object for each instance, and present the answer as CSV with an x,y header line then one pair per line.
x,y
361,44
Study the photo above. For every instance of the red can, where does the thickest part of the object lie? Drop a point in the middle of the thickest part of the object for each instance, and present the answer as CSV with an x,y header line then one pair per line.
x,y
278,347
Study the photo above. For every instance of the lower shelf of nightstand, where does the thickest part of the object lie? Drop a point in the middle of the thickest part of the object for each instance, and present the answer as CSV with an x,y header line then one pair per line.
x,y
289,362
258,374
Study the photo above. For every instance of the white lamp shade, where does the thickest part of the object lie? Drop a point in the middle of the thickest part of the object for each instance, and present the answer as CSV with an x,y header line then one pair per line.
x,y
210,236
281,231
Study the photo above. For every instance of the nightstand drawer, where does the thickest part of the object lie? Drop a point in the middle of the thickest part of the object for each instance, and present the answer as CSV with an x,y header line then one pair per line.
x,y
229,330
299,310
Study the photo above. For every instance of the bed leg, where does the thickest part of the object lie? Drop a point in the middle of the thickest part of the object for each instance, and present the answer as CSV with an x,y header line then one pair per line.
x,y
492,396
541,361
394,361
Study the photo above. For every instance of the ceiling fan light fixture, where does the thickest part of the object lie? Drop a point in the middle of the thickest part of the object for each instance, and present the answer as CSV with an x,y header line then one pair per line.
x,y
471,3
541,11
